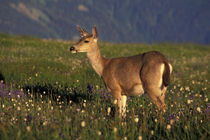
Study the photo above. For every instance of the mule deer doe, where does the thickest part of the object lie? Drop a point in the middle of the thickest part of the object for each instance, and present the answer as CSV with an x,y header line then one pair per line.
x,y
127,76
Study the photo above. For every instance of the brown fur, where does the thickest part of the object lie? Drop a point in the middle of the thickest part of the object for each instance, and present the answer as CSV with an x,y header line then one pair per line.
x,y
128,76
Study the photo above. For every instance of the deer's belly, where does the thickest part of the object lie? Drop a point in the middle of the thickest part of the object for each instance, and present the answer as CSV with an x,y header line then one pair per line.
x,y
136,90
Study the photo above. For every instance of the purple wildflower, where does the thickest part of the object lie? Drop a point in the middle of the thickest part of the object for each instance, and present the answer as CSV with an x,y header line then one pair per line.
x,y
104,94
171,116
5,90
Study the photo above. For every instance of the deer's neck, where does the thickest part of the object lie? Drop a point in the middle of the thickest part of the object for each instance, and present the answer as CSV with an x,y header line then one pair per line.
x,y
96,59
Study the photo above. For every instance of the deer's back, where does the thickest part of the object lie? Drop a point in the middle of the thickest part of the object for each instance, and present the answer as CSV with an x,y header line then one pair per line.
x,y
124,72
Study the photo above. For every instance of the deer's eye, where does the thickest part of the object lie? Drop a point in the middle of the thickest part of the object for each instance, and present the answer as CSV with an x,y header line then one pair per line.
x,y
86,41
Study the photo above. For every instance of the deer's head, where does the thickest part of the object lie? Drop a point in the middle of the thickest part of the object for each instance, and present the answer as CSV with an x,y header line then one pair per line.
x,y
87,41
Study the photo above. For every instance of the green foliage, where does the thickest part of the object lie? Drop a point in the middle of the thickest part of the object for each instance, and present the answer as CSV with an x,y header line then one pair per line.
x,y
65,99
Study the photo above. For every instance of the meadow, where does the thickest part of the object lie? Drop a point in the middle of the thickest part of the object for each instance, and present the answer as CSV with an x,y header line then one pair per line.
x,y
48,93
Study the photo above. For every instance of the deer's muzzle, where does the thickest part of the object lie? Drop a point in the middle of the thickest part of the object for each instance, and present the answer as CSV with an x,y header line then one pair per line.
x,y
72,49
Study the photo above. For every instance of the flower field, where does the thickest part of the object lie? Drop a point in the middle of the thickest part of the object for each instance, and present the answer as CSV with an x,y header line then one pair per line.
x,y
48,93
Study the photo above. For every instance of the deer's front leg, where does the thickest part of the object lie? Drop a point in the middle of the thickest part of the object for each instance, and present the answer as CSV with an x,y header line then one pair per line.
x,y
120,100
123,105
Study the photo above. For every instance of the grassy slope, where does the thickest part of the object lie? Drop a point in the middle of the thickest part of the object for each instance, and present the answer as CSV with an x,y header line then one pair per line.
x,y
58,99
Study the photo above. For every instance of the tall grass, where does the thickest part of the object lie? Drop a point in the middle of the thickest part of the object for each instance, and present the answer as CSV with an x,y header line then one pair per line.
x,y
48,93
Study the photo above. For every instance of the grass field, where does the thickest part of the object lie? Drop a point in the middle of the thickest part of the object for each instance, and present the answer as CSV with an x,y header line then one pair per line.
x,y
49,93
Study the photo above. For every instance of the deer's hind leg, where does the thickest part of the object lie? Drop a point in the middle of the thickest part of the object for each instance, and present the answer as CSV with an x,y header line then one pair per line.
x,y
155,96
151,76
162,98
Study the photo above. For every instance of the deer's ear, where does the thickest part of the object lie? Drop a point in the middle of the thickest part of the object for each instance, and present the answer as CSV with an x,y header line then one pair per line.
x,y
82,32
94,32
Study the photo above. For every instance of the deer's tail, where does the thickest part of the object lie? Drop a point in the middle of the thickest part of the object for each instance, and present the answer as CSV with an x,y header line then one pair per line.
x,y
166,74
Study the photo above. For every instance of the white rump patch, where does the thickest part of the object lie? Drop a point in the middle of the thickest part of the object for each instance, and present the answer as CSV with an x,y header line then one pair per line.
x,y
170,66
162,67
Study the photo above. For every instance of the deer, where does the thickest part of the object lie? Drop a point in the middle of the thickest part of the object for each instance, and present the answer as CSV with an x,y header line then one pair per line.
x,y
147,73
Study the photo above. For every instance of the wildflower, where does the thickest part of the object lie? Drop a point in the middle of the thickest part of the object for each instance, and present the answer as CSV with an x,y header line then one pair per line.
x,y
140,138
44,123
51,108
28,128
18,108
36,74
123,123
115,129
188,101
171,122
185,127
83,123
108,110
13,118
84,104
206,99
169,127
155,120
152,132
99,133
125,138
39,108
3,106
187,88
136,119
198,109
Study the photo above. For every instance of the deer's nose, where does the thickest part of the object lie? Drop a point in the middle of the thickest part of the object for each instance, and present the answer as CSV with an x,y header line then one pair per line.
x,y
72,48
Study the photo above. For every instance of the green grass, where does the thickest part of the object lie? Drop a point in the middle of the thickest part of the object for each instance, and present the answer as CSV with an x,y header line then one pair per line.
x,y
65,99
